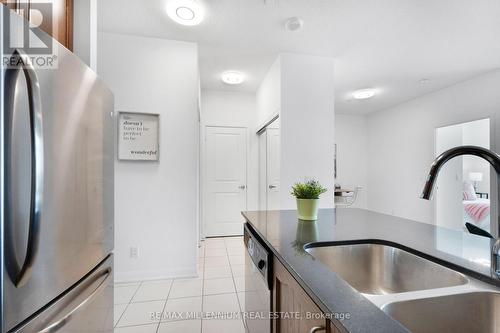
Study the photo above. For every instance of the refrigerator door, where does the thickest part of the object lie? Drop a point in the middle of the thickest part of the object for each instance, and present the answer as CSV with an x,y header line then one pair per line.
x,y
58,190
87,307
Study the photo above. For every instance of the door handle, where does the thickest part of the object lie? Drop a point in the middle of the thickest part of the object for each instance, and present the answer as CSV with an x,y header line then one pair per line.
x,y
20,275
58,324
317,329
272,186
242,187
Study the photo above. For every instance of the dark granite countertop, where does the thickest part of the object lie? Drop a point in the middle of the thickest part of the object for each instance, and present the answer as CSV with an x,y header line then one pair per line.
x,y
286,237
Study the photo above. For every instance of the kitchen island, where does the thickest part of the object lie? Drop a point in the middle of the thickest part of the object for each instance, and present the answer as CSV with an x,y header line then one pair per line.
x,y
348,310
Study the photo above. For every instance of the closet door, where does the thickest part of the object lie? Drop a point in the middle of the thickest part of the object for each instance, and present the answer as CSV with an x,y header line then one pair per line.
x,y
273,168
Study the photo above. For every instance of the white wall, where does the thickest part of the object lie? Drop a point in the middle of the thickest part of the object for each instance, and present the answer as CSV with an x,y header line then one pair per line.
x,y
477,133
235,109
448,195
401,143
307,123
228,108
85,31
269,94
351,136
156,204
99,39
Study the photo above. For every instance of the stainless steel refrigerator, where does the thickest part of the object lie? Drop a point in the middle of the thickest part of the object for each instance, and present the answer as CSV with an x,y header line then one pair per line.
x,y
57,157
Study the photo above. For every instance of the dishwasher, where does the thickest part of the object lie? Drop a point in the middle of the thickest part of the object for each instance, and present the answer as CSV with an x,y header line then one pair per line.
x,y
258,279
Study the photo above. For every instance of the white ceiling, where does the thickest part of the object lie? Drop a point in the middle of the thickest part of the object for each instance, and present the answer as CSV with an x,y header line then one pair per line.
x,y
386,44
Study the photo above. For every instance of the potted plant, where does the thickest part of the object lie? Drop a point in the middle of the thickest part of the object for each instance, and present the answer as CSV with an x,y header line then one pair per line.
x,y
307,195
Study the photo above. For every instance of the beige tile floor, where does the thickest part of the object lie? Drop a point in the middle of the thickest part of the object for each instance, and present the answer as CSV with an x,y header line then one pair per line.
x,y
219,288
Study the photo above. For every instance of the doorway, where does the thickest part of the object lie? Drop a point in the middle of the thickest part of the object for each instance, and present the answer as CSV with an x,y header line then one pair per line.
x,y
463,187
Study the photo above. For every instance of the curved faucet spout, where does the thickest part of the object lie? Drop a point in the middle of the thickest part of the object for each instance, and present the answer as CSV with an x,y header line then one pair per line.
x,y
490,156
494,159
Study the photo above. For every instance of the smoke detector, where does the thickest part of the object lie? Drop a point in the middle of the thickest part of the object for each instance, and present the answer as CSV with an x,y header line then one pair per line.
x,y
294,24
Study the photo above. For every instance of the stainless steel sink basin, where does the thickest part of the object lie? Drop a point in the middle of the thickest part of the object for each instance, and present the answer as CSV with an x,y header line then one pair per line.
x,y
472,312
379,269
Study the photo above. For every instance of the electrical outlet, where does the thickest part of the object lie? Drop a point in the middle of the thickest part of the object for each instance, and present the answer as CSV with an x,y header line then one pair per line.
x,y
134,252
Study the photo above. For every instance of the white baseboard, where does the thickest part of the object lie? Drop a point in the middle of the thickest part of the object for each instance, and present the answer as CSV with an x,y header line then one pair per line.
x,y
131,276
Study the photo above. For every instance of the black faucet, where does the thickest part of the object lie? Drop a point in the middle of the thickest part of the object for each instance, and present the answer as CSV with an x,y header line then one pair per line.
x,y
494,159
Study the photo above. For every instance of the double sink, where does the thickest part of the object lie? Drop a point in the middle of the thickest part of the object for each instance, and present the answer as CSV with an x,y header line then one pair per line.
x,y
420,294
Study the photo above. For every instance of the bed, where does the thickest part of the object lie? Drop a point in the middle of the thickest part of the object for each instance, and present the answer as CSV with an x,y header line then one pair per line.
x,y
477,212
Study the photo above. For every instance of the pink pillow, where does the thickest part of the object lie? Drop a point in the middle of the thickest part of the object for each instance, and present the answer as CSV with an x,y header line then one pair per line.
x,y
469,193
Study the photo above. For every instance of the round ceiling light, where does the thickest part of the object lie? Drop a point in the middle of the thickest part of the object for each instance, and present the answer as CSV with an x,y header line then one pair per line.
x,y
185,12
364,93
232,77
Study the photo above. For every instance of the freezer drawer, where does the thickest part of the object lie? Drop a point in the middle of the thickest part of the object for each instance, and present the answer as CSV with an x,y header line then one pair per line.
x,y
86,307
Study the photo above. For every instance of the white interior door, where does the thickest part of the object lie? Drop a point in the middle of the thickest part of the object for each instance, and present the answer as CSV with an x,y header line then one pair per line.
x,y
273,168
225,180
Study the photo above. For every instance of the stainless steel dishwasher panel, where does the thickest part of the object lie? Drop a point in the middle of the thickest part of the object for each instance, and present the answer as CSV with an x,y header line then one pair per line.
x,y
257,284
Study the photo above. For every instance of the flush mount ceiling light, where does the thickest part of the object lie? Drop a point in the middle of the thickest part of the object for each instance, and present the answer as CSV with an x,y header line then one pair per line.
x,y
232,77
185,12
294,24
364,93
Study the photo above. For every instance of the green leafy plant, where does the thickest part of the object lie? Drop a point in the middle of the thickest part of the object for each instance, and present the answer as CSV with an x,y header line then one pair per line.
x,y
311,189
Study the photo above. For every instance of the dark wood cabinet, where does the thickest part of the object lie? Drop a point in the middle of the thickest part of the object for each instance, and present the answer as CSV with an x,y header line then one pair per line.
x,y
61,12
299,314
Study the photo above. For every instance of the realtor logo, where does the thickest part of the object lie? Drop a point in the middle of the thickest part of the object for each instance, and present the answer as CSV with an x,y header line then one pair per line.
x,y
24,41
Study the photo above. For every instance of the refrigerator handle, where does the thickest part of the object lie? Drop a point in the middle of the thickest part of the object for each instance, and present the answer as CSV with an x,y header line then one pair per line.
x,y
20,276
103,277
37,163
